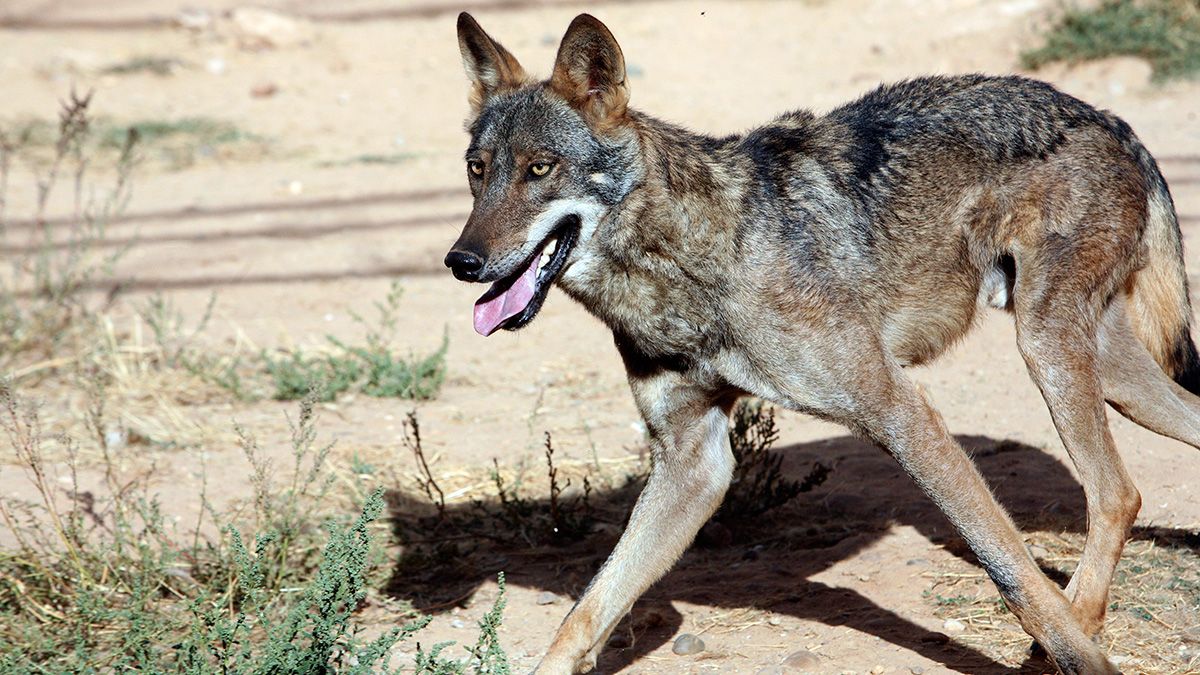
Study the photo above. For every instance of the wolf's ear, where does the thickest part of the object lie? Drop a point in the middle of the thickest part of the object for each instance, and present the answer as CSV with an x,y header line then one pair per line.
x,y
489,66
590,72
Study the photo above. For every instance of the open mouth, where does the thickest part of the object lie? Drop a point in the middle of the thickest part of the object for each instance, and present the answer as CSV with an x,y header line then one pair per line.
x,y
513,301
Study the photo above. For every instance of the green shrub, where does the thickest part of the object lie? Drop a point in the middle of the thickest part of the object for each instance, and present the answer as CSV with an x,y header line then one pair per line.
x,y
1164,32
102,584
294,374
374,368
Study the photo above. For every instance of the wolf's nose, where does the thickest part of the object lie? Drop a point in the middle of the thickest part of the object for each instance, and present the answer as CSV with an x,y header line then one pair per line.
x,y
464,264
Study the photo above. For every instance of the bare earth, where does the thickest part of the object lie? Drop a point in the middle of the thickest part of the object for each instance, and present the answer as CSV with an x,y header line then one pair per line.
x,y
295,240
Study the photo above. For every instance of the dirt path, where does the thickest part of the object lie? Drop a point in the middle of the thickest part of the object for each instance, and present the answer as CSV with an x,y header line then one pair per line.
x,y
296,239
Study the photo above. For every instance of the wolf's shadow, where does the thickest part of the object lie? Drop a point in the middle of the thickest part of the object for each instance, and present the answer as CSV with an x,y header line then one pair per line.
x,y
766,562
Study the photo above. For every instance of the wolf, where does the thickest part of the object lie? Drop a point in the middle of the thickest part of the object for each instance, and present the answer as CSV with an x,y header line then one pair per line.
x,y
808,262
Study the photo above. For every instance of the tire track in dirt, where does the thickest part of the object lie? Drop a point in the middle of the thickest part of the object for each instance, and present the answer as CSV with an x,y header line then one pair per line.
x,y
36,20
292,232
175,216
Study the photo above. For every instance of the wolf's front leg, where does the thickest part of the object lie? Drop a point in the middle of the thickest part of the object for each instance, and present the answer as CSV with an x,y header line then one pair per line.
x,y
691,466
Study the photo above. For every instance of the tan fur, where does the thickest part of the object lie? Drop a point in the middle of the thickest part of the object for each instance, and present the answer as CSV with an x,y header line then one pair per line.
x,y
492,68
589,72
1155,310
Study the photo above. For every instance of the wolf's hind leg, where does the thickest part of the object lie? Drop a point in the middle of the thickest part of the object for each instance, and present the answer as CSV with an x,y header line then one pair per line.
x,y
893,412
1061,353
1136,386
692,465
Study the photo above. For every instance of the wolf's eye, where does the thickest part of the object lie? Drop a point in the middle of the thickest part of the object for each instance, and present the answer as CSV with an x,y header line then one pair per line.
x,y
476,167
539,169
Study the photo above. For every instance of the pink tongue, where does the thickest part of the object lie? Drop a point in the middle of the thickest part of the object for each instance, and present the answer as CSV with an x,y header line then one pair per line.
x,y
489,314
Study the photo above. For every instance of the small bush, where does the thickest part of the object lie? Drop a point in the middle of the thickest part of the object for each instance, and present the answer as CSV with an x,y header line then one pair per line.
x,y
43,307
374,368
1164,32
101,583
758,482
294,374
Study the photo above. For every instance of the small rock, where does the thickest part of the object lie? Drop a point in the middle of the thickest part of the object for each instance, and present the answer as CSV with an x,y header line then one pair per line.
x,y
116,439
457,623
619,641
546,598
918,562
953,626
801,660
651,618
194,19
687,645
916,670
715,535
216,66
607,529
264,90
257,29
774,621
878,670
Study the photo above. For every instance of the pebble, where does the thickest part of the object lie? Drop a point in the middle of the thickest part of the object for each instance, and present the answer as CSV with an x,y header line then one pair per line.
x,y
801,660
619,641
878,670
457,623
953,626
546,598
687,645
264,90
916,670
194,19
716,535
774,621
257,29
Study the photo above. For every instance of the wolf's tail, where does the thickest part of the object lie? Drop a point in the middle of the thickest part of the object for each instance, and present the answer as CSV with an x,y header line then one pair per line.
x,y
1160,308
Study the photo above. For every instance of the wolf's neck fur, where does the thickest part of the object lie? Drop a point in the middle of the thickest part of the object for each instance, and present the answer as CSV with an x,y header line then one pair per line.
x,y
653,277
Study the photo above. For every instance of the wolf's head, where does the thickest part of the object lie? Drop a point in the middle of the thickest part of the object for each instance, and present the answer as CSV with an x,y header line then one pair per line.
x,y
547,161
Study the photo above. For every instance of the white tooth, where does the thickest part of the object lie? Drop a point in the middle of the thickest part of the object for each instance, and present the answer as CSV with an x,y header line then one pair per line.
x,y
552,247
543,262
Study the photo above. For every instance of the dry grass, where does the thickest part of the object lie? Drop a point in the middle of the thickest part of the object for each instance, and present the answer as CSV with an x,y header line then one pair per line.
x,y
1154,602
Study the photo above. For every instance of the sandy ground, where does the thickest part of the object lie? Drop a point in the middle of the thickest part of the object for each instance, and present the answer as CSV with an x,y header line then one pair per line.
x,y
294,241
